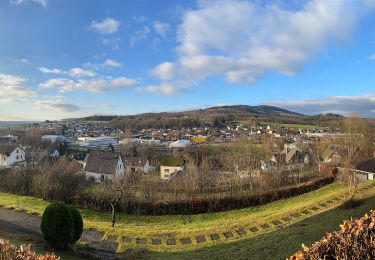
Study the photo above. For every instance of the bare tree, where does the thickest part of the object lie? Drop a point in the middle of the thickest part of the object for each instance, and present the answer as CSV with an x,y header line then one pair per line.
x,y
355,147
107,192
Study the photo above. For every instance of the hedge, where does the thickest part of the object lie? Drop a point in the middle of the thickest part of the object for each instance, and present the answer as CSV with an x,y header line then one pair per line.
x,y
198,206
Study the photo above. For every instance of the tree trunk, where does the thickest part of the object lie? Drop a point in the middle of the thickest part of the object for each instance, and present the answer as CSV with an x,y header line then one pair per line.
x,y
113,214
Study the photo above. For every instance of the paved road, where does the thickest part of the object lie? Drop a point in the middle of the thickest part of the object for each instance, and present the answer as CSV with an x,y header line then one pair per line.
x,y
14,222
20,223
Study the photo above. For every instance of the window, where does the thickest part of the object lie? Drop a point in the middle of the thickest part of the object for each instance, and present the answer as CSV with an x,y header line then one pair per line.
x,y
166,176
17,151
102,177
17,157
166,171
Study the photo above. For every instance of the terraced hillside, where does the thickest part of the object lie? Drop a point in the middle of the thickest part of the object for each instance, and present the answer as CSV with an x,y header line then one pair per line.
x,y
246,230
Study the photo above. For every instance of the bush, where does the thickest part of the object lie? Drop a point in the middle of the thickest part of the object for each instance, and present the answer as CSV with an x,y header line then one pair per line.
x,y
78,223
8,251
354,241
57,226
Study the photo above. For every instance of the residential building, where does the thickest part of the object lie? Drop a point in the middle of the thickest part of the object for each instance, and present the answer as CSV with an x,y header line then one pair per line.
x,y
169,165
366,169
103,165
11,155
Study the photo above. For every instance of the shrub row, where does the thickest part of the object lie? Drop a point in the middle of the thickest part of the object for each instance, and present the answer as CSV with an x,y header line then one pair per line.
x,y
197,206
355,240
9,251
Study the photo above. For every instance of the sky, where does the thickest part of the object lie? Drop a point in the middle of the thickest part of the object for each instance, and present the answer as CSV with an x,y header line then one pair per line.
x,y
73,58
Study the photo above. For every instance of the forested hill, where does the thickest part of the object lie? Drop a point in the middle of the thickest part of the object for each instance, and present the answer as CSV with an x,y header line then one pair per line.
x,y
214,116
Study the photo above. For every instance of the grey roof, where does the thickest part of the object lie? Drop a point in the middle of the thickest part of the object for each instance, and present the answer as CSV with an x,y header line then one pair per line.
x,y
290,155
7,149
104,162
367,166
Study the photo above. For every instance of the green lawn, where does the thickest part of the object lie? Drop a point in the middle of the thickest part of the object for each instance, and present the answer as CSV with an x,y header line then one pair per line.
x,y
181,226
278,244
296,126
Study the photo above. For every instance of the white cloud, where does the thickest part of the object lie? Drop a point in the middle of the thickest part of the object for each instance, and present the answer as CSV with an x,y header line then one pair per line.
x,y
73,72
162,89
57,105
51,71
21,60
7,79
106,64
80,73
363,105
12,100
244,40
17,91
112,63
107,26
18,2
55,82
11,88
162,28
139,36
164,71
372,57
114,43
95,86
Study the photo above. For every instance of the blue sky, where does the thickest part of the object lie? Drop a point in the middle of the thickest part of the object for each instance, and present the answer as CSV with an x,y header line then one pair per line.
x,y
71,58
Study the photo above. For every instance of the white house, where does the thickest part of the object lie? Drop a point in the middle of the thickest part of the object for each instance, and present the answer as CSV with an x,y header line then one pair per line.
x,y
11,155
169,165
139,165
103,165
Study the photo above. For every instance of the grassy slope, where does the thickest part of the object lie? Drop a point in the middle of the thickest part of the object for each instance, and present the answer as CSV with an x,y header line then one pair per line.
x,y
188,225
275,245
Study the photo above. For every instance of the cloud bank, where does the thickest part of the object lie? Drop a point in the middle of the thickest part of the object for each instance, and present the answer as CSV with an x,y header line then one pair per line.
x,y
244,40
363,105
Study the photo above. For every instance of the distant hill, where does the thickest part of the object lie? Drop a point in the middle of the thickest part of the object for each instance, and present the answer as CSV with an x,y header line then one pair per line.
x,y
16,123
251,110
215,116
92,118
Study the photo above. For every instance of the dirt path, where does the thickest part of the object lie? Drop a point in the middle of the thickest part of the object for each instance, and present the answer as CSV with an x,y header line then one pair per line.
x,y
20,223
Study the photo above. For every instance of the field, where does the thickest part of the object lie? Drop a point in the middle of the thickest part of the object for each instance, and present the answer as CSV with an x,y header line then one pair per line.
x,y
295,126
270,241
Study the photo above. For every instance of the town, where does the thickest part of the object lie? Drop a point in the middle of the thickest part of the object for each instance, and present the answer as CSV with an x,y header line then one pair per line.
x,y
194,129
289,147
102,153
